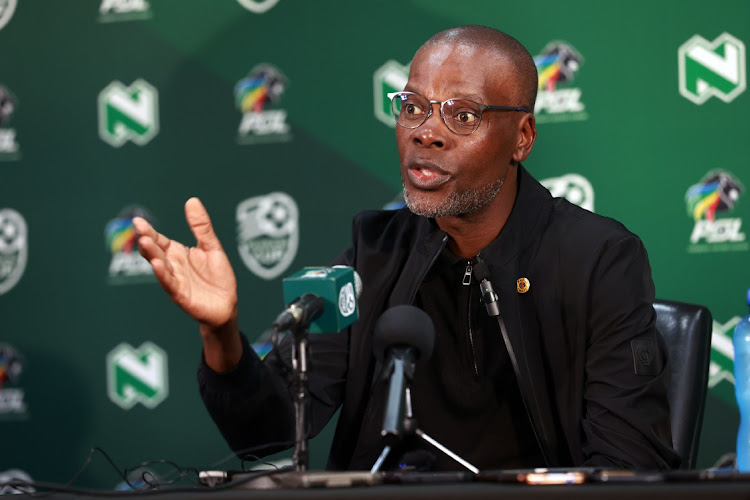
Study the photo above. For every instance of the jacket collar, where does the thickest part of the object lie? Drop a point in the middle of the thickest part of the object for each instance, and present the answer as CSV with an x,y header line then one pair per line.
x,y
532,208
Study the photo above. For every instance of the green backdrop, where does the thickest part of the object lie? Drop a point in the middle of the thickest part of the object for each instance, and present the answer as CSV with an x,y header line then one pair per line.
x,y
110,108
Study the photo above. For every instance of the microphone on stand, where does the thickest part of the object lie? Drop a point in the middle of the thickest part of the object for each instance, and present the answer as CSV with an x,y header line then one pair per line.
x,y
403,335
322,299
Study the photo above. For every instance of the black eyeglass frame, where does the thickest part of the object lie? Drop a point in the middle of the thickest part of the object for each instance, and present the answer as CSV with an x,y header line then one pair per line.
x,y
482,107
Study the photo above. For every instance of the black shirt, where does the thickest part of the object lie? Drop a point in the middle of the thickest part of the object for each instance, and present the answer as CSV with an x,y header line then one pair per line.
x,y
466,396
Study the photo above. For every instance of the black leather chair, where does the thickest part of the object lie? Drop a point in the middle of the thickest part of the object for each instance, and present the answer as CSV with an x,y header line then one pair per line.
x,y
686,329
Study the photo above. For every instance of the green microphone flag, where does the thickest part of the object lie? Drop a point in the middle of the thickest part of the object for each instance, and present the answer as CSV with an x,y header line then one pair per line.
x,y
338,289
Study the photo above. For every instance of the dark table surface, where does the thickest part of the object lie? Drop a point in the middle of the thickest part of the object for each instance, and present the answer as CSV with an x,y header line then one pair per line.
x,y
506,484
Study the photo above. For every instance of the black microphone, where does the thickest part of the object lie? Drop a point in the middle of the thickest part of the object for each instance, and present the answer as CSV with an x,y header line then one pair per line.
x,y
300,312
489,297
403,335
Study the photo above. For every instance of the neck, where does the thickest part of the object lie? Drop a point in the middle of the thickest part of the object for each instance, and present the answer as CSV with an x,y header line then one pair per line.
x,y
470,233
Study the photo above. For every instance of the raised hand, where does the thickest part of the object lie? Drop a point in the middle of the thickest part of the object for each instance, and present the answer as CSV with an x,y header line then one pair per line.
x,y
199,279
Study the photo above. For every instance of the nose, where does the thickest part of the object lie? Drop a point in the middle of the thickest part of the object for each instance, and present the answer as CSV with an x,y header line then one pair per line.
x,y
432,133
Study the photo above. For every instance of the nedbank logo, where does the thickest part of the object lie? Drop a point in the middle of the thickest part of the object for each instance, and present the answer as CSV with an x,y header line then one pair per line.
x,y
721,368
712,68
128,113
137,375
390,77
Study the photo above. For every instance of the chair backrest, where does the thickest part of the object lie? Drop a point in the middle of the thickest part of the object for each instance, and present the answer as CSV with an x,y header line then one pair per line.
x,y
686,329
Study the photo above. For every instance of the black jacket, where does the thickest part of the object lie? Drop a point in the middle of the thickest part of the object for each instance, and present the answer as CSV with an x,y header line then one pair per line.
x,y
575,335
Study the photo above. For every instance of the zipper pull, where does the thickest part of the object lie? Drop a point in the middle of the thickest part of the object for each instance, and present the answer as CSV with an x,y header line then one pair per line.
x,y
467,274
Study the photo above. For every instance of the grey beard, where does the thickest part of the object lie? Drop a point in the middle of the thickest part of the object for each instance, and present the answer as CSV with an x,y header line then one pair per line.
x,y
456,204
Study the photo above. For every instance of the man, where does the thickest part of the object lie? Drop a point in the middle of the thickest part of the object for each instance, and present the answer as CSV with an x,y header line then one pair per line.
x,y
555,386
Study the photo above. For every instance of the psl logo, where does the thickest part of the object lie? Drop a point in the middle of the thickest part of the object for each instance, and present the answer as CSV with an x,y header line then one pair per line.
x,y
262,87
558,64
137,375
123,10
12,397
127,265
390,77
268,233
709,69
574,188
13,248
716,193
128,113
6,11
8,146
258,6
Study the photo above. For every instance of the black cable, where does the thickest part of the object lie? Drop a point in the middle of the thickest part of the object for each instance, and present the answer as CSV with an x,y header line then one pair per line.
x,y
57,488
154,485
155,482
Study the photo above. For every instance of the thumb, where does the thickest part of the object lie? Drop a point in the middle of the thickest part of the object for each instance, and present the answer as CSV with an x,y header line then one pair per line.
x,y
200,224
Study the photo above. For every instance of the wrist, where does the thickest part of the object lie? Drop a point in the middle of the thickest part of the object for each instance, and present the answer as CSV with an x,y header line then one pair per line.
x,y
222,345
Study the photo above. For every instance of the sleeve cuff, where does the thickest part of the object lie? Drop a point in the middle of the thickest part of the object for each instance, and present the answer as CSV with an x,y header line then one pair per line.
x,y
242,376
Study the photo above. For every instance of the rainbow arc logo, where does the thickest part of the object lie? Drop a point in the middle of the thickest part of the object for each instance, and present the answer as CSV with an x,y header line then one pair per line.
x,y
716,194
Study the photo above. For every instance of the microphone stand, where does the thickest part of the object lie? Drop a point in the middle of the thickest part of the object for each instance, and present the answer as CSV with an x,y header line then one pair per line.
x,y
410,427
301,399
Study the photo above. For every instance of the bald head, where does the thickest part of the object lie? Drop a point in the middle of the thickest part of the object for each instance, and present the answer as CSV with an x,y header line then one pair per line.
x,y
505,46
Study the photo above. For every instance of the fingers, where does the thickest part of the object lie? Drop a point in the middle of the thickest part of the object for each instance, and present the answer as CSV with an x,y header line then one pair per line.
x,y
156,256
164,275
146,239
153,247
143,228
200,224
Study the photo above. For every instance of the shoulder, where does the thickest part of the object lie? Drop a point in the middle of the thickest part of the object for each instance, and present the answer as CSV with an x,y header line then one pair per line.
x,y
378,227
578,229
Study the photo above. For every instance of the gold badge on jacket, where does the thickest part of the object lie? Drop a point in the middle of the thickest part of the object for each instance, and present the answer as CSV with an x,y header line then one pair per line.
x,y
523,285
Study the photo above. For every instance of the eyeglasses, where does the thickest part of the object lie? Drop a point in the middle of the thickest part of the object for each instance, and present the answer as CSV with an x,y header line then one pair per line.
x,y
461,116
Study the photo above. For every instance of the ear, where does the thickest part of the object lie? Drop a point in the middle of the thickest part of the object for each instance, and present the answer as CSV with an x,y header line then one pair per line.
x,y
525,137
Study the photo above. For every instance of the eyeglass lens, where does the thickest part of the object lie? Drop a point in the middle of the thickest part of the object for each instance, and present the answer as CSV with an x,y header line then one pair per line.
x,y
461,116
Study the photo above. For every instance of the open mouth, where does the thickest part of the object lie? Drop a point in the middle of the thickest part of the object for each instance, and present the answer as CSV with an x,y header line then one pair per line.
x,y
427,177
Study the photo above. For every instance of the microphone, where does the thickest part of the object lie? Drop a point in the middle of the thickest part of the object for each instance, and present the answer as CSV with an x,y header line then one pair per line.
x,y
489,297
300,312
403,335
322,299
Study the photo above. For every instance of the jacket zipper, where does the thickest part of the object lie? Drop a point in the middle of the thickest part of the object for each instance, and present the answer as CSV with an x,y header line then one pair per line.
x,y
467,282
426,269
